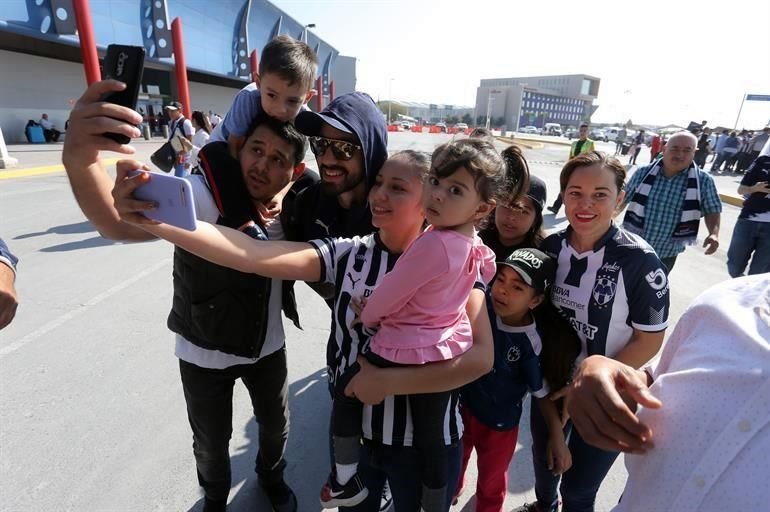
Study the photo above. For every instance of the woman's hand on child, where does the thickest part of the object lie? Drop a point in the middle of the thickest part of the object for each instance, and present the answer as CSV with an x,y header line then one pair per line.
x,y
130,209
557,454
367,384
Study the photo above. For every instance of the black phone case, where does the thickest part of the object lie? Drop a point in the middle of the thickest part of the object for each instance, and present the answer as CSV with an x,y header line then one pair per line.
x,y
124,63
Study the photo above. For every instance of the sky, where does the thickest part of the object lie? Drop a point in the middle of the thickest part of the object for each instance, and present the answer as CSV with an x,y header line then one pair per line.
x,y
660,62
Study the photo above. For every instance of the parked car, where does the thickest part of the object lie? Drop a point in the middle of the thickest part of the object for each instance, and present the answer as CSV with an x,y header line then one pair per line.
x,y
571,133
461,127
529,129
597,134
441,126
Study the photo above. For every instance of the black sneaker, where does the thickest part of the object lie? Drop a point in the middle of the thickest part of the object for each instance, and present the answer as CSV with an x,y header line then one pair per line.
x,y
210,505
349,495
534,507
386,500
280,496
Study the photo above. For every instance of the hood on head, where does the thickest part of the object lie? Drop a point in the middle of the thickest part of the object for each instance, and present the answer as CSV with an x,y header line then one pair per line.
x,y
354,113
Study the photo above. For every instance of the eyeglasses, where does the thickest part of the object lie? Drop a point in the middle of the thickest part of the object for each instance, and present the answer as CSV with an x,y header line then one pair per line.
x,y
341,149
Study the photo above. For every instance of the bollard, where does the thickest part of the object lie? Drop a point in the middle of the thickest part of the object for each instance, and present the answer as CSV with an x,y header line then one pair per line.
x,y
6,160
146,131
165,131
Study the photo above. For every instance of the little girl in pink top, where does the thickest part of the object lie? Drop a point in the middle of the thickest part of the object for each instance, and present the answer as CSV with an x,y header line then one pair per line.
x,y
419,306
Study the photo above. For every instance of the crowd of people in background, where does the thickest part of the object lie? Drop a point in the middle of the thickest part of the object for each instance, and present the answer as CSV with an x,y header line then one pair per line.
x,y
438,335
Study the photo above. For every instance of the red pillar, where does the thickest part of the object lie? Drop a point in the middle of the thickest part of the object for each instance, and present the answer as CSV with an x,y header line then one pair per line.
x,y
181,67
254,65
331,90
87,40
320,94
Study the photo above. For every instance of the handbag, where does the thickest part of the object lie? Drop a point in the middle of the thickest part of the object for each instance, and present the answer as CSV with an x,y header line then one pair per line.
x,y
165,157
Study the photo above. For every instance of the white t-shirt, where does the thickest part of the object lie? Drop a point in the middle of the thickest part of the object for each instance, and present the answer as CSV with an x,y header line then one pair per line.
x,y
275,338
199,140
712,434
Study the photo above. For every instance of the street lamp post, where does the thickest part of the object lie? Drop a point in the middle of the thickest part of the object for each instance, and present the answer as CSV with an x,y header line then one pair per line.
x,y
390,97
489,105
304,31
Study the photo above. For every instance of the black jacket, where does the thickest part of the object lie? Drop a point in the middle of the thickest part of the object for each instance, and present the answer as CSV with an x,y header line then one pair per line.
x,y
215,307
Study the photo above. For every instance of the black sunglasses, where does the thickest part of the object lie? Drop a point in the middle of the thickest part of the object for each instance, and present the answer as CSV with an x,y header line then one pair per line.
x,y
341,149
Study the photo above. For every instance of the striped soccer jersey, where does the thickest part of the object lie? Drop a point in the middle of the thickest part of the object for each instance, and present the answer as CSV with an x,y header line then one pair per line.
x,y
355,266
608,292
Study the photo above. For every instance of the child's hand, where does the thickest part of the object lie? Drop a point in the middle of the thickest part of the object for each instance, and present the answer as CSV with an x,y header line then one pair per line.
x,y
557,395
557,454
130,209
268,212
357,305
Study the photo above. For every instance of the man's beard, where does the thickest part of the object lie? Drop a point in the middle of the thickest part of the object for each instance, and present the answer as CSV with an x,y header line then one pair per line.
x,y
346,185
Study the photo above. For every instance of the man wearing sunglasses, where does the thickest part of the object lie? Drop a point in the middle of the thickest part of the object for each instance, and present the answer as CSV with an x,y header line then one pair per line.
x,y
349,139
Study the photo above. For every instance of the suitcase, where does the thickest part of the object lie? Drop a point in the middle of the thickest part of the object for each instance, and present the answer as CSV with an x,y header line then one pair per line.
x,y
35,135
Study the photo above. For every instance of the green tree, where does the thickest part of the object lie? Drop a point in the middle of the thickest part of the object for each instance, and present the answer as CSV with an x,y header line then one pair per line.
x,y
468,119
452,120
481,120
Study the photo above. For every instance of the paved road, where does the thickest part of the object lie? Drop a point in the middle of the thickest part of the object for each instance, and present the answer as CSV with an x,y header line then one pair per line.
x,y
92,416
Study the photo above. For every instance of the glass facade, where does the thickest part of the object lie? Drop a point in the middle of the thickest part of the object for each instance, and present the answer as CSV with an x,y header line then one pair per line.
x,y
537,109
211,29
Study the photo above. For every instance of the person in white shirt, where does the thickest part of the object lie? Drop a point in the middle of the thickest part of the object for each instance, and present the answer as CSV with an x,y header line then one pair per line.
x,y
701,440
202,127
50,132
215,119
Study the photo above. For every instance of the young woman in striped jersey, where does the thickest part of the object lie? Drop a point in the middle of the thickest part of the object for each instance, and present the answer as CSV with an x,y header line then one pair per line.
x,y
355,266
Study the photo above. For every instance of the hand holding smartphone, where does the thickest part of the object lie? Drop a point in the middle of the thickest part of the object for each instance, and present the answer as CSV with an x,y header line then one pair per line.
x,y
173,197
126,64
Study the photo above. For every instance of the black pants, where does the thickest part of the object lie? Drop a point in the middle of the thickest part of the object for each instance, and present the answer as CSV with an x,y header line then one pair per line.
x,y
556,206
209,397
427,410
51,135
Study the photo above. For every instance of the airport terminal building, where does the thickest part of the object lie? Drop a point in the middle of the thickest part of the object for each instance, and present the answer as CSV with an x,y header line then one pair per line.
x,y
41,67
537,100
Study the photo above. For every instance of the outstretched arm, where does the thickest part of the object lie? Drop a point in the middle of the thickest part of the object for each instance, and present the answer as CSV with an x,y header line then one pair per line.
x,y
230,248
219,244
371,385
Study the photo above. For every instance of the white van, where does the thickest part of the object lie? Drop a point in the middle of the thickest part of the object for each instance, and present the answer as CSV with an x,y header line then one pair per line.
x,y
612,133
552,129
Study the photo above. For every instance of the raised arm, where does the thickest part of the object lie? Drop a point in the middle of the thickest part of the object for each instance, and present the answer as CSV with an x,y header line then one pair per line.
x,y
91,185
371,385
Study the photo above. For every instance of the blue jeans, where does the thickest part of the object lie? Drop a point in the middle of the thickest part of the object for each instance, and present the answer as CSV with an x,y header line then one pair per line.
x,y
749,236
400,466
581,482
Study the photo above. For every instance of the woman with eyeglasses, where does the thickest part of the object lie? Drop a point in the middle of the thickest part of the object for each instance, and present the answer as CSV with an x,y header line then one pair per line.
x,y
518,222
354,267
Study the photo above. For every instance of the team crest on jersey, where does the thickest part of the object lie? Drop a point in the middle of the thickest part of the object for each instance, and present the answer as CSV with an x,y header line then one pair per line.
x,y
604,290
514,354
